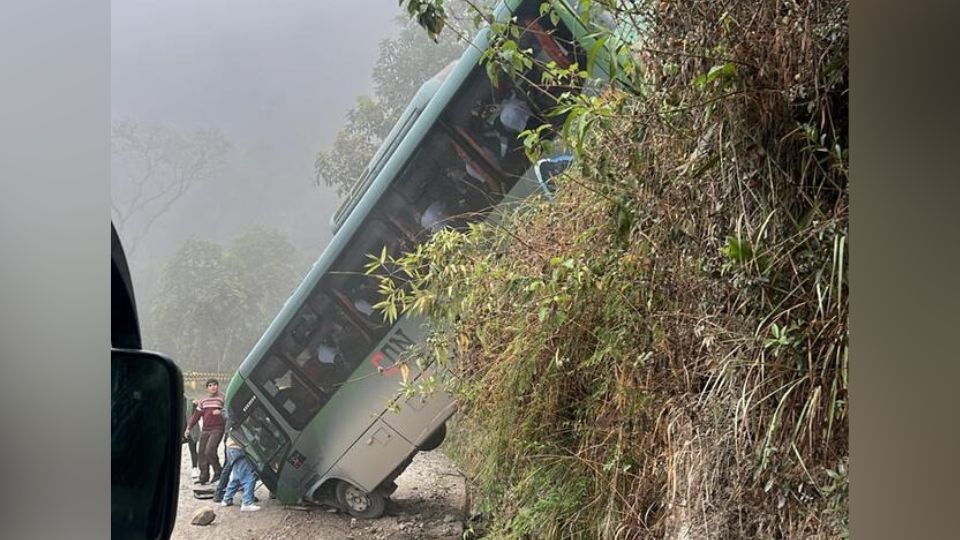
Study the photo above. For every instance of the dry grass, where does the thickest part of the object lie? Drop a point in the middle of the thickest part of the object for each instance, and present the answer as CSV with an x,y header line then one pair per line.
x,y
662,351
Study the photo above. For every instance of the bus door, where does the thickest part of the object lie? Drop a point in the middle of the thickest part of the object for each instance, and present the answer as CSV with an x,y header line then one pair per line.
x,y
419,415
374,456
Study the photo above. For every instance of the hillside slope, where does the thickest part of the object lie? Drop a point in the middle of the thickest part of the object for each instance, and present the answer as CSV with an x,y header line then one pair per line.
x,y
661,352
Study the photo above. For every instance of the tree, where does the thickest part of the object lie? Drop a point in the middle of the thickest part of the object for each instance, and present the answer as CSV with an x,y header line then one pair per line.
x,y
403,64
268,264
354,145
153,167
214,302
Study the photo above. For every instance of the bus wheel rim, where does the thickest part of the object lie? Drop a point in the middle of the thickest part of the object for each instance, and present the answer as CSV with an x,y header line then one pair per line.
x,y
358,500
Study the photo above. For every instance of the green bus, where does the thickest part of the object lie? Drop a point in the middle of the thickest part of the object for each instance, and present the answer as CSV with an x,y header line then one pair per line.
x,y
315,402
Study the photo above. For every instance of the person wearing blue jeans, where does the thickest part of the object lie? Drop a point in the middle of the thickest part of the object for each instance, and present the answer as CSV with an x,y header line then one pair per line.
x,y
227,465
242,476
225,475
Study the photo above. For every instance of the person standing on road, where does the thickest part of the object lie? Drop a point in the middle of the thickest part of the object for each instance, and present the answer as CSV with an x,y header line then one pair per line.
x,y
227,460
229,457
189,406
210,409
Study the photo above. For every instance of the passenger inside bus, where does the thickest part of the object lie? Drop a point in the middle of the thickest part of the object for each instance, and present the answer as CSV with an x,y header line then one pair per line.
x,y
489,119
329,354
363,294
513,114
323,360
435,216
503,122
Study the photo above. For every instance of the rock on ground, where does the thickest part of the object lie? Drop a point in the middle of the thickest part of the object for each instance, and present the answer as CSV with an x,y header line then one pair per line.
x,y
204,516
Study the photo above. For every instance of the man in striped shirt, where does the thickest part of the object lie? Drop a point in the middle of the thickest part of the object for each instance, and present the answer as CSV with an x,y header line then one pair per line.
x,y
210,409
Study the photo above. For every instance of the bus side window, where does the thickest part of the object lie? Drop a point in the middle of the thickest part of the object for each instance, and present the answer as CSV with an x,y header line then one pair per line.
x,y
336,348
394,209
459,185
286,391
357,291
322,361
298,345
303,325
548,43
488,120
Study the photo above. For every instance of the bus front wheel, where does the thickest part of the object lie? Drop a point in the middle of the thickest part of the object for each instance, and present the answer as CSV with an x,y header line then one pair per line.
x,y
359,503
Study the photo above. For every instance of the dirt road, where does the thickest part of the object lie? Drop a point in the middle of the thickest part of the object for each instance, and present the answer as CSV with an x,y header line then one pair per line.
x,y
428,504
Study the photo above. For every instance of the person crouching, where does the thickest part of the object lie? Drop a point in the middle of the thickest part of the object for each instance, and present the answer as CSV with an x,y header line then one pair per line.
x,y
242,476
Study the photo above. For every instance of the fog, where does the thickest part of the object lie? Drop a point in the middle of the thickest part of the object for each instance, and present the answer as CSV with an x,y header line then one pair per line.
x,y
276,78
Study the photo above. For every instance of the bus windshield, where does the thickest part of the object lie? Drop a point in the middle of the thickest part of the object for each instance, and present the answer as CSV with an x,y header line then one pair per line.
x,y
263,439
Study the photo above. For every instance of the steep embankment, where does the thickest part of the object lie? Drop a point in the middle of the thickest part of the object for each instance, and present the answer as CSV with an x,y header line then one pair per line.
x,y
662,351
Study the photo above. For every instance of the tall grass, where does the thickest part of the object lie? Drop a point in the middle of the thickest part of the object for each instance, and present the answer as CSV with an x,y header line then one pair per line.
x,y
661,352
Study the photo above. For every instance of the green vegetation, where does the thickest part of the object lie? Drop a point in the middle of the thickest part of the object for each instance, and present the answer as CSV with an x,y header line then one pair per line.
x,y
214,302
662,350
403,64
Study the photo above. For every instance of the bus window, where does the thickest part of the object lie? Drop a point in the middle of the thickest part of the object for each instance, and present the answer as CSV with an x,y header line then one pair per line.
x,y
545,45
322,361
296,336
285,390
357,291
548,44
303,326
336,348
488,121
263,438
447,184
393,210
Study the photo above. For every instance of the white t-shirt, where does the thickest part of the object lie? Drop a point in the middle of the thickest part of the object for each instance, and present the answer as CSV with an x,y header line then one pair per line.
x,y
363,307
434,216
327,354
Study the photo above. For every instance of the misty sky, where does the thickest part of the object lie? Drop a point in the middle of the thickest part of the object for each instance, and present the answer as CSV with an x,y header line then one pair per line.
x,y
277,77
282,70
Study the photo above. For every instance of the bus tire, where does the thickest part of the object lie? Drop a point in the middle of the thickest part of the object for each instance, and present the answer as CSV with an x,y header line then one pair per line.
x,y
435,439
358,503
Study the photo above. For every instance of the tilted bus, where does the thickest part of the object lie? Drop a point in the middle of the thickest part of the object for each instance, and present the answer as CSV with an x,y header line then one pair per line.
x,y
315,401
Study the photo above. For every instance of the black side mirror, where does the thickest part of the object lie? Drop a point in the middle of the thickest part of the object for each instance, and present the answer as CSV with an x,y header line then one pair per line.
x,y
146,417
